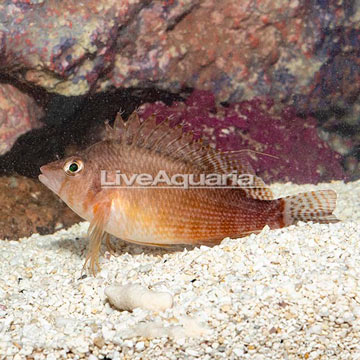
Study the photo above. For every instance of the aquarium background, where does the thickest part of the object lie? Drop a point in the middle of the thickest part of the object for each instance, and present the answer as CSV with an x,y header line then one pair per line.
x,y
278,77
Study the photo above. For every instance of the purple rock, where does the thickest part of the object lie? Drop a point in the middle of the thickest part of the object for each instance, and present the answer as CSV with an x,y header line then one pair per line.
x,y
257,124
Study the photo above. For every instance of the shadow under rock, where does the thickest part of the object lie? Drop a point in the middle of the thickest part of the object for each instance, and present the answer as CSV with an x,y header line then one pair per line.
x,y
76,121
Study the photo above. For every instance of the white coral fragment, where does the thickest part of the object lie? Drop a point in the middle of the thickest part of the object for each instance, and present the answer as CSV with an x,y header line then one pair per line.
x,y
131,296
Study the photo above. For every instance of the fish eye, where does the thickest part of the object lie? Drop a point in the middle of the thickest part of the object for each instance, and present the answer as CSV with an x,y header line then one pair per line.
x,y
73,167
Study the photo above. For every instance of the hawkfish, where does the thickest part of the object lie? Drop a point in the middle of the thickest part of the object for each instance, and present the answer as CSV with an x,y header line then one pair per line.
x,y
163,215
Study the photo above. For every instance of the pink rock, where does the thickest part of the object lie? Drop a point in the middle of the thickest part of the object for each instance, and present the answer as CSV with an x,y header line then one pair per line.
x,y
19,113
302,53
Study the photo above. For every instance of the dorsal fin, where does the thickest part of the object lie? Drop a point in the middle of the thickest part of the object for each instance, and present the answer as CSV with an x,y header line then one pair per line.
x,y
132,126
174,142
118,129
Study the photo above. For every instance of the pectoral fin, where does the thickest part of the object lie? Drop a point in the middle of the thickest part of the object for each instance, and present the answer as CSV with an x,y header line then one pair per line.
x,y
96,234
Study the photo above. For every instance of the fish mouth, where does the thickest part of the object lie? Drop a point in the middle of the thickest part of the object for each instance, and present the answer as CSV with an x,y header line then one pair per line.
x,y
43,179
49,180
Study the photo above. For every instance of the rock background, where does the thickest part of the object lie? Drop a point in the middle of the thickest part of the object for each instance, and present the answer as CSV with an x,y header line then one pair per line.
x,y
19,113
280,76
27,207
301,52
289,147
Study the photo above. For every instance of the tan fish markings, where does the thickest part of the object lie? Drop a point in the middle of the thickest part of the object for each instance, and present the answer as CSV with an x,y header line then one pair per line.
x,y
167,216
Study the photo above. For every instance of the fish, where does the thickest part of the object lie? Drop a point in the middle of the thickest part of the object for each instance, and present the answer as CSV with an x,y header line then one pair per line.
x,y
163,215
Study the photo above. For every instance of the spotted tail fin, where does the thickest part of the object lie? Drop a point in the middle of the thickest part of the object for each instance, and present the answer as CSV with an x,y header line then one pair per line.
x,y
316,206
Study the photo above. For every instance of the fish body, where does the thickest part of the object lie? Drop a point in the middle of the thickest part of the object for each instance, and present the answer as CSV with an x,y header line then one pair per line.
x,y
164,215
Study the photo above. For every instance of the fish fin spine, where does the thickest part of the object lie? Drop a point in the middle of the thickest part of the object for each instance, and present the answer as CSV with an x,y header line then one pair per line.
x,y
180,144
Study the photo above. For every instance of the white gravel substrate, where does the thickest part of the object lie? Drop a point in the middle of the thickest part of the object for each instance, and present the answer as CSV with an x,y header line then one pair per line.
x,y
285,294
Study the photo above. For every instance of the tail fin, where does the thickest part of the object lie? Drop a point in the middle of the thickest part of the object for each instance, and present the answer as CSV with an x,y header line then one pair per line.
x,y
316,206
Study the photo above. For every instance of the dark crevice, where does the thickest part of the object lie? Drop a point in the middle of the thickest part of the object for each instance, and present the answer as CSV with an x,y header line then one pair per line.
x,y
75,121
40,95
133,15
179,18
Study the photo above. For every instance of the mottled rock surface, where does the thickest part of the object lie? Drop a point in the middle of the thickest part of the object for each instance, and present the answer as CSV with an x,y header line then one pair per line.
x,y
302,52
19,113
28,207
301,156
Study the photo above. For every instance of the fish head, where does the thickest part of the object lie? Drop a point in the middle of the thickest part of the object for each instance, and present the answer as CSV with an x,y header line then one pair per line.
x,y
59,174
70,178
77,179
